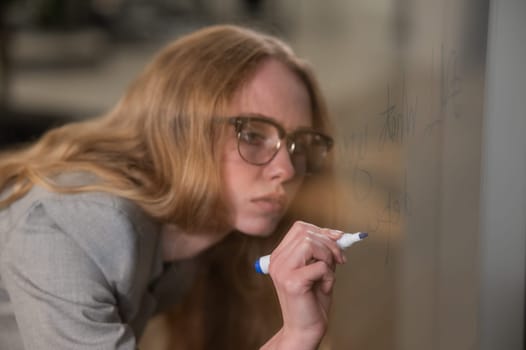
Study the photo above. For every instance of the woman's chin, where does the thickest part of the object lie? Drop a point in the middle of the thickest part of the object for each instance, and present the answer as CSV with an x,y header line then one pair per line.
x,y
255,229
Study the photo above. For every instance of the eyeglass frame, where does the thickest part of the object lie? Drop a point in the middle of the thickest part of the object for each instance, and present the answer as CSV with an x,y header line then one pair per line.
x,y
238,121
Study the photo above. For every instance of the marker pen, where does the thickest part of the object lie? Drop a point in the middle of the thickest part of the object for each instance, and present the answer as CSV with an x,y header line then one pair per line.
x,y
345,241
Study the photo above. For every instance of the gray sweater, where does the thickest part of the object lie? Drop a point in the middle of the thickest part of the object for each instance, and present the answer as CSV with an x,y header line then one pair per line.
x,y
81,271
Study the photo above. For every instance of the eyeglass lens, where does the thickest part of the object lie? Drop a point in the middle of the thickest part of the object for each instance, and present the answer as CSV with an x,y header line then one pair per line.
x,y
259,141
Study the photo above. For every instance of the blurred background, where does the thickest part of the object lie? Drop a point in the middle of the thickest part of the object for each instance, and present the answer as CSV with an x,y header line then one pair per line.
x,y
405,81
68,59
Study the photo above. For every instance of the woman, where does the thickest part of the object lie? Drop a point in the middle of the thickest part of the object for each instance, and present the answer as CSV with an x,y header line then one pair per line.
x,y
208,157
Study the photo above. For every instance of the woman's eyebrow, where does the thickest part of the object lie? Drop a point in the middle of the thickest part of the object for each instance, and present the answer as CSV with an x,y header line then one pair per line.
x,y
258,115
277,122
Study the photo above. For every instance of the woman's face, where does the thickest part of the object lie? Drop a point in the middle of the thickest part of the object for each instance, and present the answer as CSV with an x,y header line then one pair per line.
x,y
259,195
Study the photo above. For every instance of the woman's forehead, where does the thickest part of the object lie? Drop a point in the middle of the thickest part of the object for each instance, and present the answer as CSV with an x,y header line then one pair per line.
x,y
276,92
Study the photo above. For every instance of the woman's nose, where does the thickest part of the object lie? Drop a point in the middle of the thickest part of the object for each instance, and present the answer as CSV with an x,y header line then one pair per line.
x,y
281,165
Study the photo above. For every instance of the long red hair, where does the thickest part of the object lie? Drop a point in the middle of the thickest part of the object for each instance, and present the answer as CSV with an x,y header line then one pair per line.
x,y
158,148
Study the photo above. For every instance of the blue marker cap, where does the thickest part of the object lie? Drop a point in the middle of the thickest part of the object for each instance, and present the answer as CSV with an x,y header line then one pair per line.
x,y
362,235
257,266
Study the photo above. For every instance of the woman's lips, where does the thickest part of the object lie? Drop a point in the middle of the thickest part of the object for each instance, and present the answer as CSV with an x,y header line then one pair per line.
x,y
271,204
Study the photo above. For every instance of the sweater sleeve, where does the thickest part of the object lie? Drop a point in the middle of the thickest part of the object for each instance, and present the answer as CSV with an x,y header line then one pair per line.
x,y
62,269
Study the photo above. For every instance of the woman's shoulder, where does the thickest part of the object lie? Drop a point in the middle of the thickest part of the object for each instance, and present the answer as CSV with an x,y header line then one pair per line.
x,y
90,198
74,208
112,230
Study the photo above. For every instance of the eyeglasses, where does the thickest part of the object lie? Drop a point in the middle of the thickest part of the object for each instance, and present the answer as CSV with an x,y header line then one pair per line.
x,y
259,139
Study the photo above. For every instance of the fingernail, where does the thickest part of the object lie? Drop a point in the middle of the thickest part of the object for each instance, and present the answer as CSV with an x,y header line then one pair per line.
x,y
336,233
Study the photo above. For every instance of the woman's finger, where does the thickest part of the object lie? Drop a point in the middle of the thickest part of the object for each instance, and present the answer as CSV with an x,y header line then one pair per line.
x,y
304,252
321,274
307,243
329,237
304,278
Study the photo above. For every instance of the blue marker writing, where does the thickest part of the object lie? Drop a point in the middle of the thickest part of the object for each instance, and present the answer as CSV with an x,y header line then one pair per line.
x,y
345,241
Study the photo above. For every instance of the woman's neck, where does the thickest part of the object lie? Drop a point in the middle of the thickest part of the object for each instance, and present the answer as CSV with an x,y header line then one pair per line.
x,y
179,245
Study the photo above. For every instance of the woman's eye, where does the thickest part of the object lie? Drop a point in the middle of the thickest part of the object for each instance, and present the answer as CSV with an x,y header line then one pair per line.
x,y
300,147
253,137
302,144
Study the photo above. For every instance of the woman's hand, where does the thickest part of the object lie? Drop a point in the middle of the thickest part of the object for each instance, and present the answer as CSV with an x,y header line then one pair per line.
x,y
302,268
